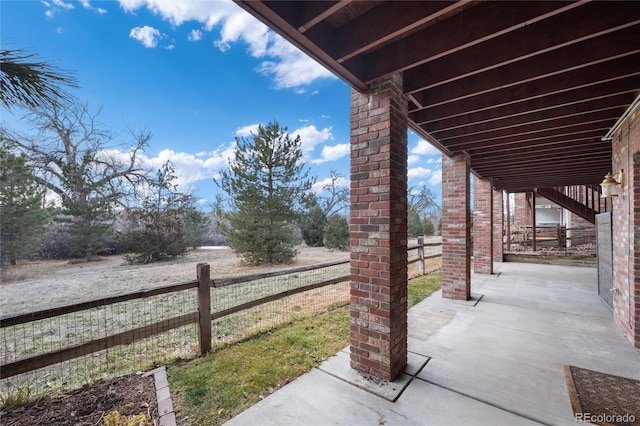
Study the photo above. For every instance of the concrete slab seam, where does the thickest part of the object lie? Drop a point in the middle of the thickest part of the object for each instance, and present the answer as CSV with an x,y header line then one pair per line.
x,y
514,412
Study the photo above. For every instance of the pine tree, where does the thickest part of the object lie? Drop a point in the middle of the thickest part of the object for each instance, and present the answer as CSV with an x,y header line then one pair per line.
x,y
157,225
88,215
196,224
428,226
267,184
312,225
336,232
415,226
22,218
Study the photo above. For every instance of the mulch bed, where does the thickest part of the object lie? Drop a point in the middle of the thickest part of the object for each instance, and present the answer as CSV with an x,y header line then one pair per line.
x,y
129,395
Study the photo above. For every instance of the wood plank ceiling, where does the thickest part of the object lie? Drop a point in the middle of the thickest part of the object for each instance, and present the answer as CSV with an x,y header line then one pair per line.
x,y
528,89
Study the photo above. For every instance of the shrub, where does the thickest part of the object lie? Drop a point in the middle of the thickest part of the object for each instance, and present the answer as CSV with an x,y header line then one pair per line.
x,y
336,232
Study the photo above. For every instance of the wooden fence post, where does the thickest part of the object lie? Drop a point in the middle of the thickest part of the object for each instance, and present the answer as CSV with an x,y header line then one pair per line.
x,y
421,254
204,307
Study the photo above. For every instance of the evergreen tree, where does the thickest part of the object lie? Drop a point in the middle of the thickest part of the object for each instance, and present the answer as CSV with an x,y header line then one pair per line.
x,y
429,228
312,225
22,218
267,185
88,215
196,224
157,225
26,83
336,232
415,225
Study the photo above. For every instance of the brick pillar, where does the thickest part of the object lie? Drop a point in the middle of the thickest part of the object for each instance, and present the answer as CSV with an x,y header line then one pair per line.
x,y
482,226
498,225
378,229
522,212
456,235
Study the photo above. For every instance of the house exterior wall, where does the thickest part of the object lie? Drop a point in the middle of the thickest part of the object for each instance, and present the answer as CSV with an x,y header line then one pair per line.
x,y
582,231
626,228
522,209
378,230
456,231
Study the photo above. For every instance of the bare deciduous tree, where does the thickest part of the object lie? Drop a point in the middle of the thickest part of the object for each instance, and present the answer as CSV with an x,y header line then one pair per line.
x,y
337,195
74,155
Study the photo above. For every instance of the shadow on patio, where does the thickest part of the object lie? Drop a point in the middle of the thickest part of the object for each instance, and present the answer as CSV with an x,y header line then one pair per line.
x,y
496,360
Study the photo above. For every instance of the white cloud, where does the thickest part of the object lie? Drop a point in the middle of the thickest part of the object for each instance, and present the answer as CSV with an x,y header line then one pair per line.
x,y
436,178
425,148
292,68
146,35
87,5
190,168
56,6
413,159
341,182
310,137
63,5
195,35
282,62
246,131
418,172
333,153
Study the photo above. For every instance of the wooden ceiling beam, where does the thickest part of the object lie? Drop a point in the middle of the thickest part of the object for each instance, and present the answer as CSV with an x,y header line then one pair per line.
x,y
579,80
468,28
554,65
583,24
326,9
557,149
450,115
537,158
535,116
576,132
368,31
606,115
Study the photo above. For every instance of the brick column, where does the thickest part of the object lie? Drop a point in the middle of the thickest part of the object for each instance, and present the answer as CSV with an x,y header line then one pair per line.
x,y
378,229
498,225
456,235
522,212
482,226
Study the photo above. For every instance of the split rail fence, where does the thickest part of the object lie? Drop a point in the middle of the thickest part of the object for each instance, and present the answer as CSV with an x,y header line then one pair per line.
x,y
69,346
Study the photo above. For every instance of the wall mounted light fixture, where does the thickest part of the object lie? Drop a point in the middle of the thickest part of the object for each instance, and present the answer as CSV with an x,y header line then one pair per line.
x,y
611,185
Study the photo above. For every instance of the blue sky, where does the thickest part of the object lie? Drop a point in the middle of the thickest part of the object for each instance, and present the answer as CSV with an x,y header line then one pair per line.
x,y
196,74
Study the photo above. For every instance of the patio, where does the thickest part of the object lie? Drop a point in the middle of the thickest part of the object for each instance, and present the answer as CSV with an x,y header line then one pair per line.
x,y
495,359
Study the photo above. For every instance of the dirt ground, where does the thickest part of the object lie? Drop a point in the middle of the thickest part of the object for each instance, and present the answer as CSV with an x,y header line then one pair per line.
x,y
38,285
129,396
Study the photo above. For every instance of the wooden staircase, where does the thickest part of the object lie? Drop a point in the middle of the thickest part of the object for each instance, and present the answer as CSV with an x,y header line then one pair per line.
x,y
583,200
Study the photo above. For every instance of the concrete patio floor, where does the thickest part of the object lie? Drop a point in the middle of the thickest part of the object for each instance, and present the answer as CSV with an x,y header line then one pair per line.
x,y
495,360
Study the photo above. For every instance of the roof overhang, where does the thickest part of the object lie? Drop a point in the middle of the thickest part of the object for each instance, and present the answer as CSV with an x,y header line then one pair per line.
x,y
527,88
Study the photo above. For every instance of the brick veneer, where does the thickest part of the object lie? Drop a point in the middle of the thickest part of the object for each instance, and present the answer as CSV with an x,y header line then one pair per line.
x,y
586,234
378,229
482,226
456,234
626,229
522,210
498,226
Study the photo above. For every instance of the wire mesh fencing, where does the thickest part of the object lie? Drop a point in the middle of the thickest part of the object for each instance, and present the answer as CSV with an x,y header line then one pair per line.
x,y
71,346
